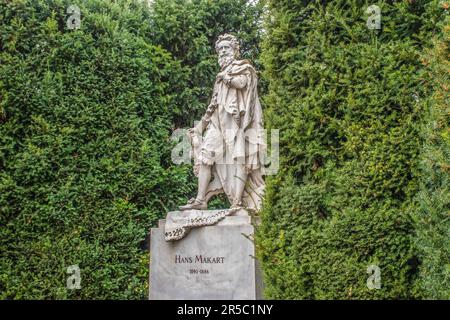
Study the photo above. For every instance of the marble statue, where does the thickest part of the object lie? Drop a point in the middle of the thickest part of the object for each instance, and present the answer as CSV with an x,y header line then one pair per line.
x,y
232,145
228,145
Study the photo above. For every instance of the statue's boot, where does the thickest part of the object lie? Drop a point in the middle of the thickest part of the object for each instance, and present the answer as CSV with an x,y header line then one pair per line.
x,y
236,205
194,204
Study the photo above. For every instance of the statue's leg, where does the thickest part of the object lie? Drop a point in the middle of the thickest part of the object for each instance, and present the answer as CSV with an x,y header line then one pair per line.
x,y
199,203
204,178
240,180
206,159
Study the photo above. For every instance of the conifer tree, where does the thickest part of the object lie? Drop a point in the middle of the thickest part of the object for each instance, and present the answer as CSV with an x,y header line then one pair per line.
x,y
433,201
344,94
87,106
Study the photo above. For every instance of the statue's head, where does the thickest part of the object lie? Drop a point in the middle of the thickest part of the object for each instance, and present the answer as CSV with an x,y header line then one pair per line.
x,y
227,47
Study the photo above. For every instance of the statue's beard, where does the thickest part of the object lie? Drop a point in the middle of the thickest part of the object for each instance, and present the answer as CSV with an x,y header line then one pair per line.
x,y
225,61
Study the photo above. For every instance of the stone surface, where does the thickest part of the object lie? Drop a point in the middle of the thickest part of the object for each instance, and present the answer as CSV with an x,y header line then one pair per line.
x,y
212,262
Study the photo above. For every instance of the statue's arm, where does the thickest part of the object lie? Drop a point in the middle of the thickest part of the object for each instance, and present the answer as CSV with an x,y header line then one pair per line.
x,y
238,82
206,119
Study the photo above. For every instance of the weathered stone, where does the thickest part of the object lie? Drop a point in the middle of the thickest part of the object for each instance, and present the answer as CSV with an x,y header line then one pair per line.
x,y
212,262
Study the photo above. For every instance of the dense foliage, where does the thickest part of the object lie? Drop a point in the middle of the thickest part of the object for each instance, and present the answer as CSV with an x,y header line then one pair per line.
x,y
86,118
346,101
433,208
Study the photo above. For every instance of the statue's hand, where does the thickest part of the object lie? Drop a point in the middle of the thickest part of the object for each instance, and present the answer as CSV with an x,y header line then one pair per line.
x,y
191,135
210,110
221,75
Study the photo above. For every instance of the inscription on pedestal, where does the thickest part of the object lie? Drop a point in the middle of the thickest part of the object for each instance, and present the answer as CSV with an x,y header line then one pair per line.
x,y
213,262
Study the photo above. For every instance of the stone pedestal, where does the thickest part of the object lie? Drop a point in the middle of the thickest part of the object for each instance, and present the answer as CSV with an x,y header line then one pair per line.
x,y
211,262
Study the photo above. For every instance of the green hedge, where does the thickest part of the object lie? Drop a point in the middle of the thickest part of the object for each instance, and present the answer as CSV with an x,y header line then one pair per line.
x,y
84,157
346,100
432,214
85,122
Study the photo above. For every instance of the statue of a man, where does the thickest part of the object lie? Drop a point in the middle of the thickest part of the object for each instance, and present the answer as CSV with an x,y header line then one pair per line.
x,y
229,141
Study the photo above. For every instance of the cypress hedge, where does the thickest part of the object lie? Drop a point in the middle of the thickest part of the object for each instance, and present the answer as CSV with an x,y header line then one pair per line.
x,y
346,100
86,117
85,164
432,221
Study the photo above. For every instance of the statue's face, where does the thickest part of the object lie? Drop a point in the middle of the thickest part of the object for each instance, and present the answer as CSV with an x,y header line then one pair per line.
x,y
226,53
225,48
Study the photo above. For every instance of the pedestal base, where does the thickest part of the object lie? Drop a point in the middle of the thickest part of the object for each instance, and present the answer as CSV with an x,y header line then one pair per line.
x,y
212,262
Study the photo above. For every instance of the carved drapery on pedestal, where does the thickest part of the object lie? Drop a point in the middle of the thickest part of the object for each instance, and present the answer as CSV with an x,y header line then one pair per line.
x,y
178,224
